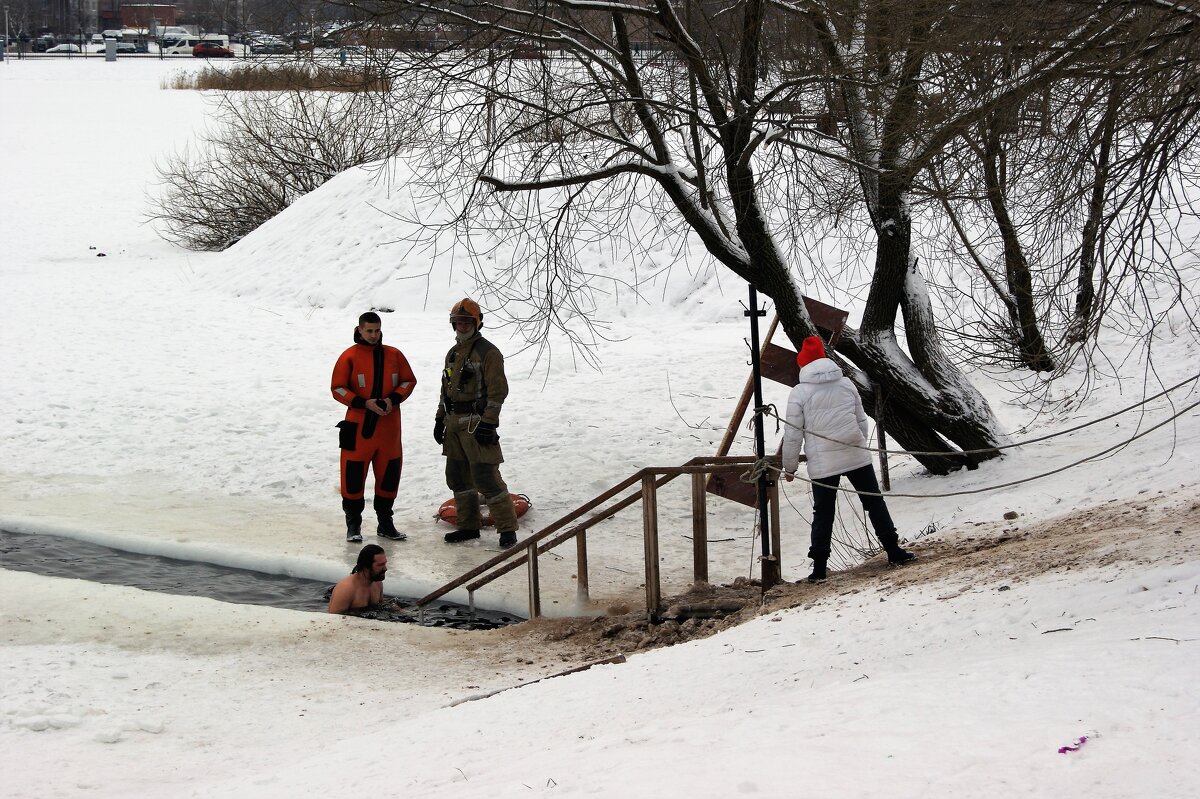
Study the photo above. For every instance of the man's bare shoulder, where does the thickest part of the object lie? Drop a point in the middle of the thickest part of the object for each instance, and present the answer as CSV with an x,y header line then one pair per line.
x,y
343,596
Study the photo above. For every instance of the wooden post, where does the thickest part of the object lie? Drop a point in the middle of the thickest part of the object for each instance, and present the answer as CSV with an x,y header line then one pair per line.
x,y
581,568
699,528
650,532
774,489
884,478
535,594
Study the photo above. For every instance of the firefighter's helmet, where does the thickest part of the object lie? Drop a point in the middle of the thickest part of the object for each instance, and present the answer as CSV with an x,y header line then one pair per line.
x,y
466,308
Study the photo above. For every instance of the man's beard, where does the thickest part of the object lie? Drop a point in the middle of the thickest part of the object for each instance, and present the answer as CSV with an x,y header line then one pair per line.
x,y
378,578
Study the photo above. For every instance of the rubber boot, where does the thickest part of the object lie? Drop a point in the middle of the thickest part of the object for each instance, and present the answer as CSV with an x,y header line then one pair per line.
x,y
461,535
383,512
466,512
353,508
501,506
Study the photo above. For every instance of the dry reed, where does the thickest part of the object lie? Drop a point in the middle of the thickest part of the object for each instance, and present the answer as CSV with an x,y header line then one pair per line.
x,y
283,77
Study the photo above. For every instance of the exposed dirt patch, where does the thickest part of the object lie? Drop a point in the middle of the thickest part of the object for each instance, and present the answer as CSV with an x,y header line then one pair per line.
x,y
1155,530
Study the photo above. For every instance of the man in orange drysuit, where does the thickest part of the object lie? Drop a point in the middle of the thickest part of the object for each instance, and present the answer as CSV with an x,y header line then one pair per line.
x,y
371,380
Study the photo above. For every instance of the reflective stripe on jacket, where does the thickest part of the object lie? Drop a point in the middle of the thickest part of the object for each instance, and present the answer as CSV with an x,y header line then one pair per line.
x,y
474,372
363,372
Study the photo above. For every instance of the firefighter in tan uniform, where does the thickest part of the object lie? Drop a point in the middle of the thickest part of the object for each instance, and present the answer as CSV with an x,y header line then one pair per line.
x,y
371,380
473,391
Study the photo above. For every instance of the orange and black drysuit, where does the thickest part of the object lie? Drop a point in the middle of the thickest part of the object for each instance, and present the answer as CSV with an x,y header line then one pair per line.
x,y
366,372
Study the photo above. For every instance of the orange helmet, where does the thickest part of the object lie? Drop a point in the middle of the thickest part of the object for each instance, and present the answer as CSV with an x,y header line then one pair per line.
x,y
466,308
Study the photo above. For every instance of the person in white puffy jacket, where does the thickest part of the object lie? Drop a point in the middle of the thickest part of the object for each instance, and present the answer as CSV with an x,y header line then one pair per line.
x,y
825,419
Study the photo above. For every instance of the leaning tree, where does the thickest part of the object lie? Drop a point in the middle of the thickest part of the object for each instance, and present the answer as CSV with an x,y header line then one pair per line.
x,y
729,112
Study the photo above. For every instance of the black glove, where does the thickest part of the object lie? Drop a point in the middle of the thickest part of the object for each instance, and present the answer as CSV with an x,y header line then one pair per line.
x,y
485,434
439,430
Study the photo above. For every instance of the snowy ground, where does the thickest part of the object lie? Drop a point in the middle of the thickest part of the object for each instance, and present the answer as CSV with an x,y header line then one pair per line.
x,y
177,403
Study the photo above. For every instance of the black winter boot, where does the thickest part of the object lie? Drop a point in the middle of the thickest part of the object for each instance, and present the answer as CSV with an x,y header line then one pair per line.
x,y
818,573
461,535
508,539
898,556
386,529
353,508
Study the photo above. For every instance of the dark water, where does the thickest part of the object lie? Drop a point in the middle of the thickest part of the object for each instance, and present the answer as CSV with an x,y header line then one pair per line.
x,y
56,556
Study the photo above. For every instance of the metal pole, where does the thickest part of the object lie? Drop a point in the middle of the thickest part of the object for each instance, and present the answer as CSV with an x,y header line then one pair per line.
x,y
5,53
770,565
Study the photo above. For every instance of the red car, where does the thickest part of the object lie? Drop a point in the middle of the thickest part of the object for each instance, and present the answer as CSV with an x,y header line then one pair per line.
x,y
211,50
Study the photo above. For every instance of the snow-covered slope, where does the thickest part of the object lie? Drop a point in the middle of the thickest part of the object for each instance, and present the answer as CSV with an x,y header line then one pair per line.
x,y
178,402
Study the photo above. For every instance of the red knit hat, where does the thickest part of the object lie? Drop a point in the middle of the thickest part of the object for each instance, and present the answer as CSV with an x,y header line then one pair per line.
x,y
810,350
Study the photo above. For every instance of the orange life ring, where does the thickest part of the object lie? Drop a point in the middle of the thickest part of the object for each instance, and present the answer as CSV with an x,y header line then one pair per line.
x,y
447,512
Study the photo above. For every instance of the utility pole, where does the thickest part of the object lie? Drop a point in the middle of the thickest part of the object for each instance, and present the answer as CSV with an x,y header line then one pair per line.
x,y
770,560
4,52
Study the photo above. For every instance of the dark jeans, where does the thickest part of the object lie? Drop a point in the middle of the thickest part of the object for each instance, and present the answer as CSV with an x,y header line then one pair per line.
x,y
825,507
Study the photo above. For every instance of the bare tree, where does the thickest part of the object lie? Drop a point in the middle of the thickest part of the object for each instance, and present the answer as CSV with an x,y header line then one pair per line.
x,y
273,148
1078,180
698,99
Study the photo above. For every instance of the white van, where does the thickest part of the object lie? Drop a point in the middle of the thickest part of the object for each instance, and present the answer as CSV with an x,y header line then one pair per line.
x,y
178,45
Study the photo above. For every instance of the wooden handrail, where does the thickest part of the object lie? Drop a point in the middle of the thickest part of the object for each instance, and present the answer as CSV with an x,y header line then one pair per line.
x,y
566,535
520,552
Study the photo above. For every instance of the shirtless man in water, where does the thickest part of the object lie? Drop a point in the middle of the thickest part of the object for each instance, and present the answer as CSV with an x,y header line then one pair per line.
x,y
364,586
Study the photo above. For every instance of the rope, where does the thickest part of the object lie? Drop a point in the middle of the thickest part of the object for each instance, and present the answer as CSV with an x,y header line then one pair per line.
x,y
757,470
1012,483
769,410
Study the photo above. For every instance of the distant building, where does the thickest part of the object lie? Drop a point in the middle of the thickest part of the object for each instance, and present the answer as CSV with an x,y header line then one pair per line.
x,y
60,16
140,15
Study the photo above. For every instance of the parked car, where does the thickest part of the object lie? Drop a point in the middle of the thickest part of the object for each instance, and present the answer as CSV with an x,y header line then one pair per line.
x,y
178,46
211,50
270,48
65,48
42,43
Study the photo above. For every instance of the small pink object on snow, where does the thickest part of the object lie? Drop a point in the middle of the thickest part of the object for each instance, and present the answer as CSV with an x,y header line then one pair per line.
x,y
1062,750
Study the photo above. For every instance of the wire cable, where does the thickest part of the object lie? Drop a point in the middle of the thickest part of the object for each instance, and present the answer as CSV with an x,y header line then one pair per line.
x,y
1011,483
769,410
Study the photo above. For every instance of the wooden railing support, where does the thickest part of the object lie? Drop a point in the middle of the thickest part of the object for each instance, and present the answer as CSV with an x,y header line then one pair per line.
x,y
581,568
773,499
699,528
650,528
535,593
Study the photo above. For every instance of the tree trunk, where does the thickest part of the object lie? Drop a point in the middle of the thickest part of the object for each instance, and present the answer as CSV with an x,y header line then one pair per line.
x,y
1085,290
1031,347
931,401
